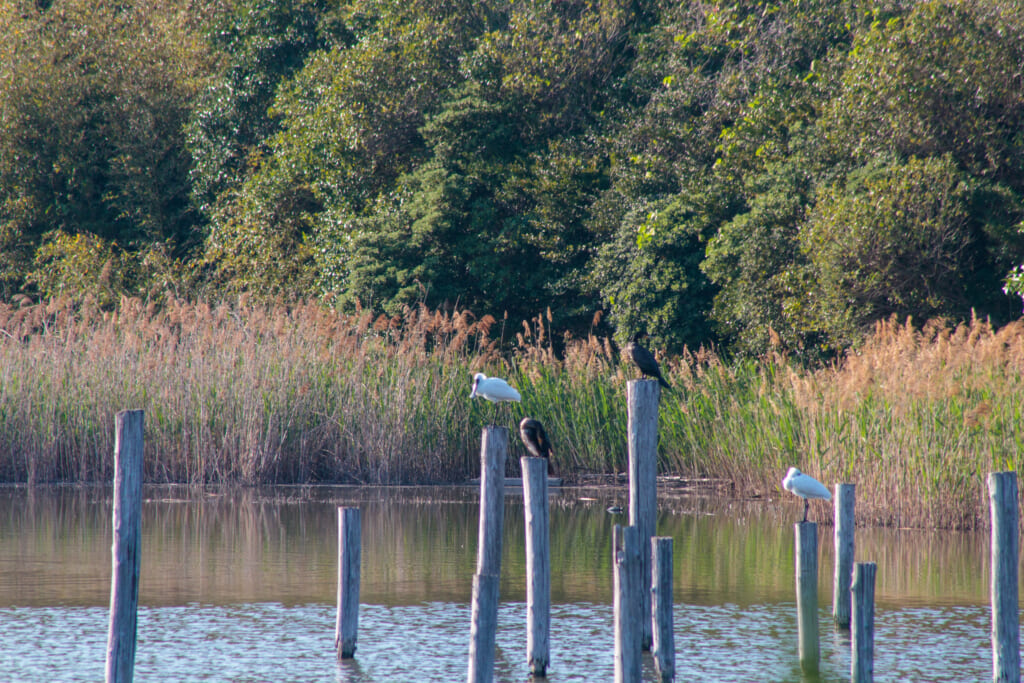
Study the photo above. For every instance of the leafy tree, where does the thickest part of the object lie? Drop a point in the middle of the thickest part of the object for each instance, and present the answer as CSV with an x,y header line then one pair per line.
x,y
750,172
80,266
261,44
349,126
903,239
651,270
724,89
944,78
92,101
756,263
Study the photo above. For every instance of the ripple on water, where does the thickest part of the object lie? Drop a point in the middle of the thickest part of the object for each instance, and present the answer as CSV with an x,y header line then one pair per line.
x,y
430,642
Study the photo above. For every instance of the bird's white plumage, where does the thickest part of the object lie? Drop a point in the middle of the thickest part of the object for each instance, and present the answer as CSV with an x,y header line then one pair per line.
x,y
493,389
804,485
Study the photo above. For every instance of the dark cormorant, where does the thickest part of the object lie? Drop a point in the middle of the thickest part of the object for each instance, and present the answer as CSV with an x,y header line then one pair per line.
x,y
535,439
645,361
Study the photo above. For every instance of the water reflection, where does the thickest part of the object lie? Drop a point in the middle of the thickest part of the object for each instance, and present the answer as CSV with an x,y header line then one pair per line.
x,y
419,544
240,585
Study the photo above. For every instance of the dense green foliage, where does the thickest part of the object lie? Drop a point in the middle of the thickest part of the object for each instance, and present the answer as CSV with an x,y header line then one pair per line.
x,y
755,174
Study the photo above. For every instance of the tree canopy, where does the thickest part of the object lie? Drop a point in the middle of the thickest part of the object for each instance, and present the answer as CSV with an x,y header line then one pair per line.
x,y
752,174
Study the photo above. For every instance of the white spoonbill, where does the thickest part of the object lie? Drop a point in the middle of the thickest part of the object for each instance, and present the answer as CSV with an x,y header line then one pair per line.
x,y
494,389
806,487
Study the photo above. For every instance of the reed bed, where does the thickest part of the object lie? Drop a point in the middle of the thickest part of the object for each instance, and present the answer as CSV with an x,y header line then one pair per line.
x,y
255,394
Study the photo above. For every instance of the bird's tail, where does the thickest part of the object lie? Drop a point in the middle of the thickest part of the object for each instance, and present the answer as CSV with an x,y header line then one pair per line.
x,y
661,380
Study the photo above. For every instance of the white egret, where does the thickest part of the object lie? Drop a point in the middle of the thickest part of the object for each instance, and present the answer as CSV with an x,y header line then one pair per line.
x,y
494,389
806,487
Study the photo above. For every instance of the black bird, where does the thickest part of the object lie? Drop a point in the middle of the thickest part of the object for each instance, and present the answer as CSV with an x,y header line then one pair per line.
x,y
535,439
645,361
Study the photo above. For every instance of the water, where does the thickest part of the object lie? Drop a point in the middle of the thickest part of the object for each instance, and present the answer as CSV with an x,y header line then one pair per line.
x,y
241,587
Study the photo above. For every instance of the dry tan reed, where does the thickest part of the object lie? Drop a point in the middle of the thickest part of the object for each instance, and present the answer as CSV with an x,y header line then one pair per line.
x,y
918,418
247,393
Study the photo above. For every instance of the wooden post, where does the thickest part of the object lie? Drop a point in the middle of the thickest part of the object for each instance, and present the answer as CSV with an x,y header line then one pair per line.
x,y
663,638
493,453
862,645
483,628
626,561
126,549
643,396
1002,491
845,498
538,564
807,594
350,542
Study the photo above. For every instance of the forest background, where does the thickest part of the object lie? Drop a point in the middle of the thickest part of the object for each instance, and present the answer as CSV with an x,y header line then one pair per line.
x,y
791,184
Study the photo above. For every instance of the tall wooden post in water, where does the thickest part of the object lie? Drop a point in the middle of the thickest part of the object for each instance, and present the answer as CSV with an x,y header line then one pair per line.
x,y
663,641
126,549
807,594
862,639
626,603
350,541
845,499
1003,497
484,616
643,397
538,564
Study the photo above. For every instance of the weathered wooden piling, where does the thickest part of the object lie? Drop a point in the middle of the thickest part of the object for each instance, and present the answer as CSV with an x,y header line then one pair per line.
x,y
126,549
844,530
538,564
807,594
862,638
643,396
483,628
626,602
484,619
493,453
1003,497
663,644
350,541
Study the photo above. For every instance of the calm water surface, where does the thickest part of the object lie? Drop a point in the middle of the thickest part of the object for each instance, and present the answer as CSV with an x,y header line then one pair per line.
x,y
240,586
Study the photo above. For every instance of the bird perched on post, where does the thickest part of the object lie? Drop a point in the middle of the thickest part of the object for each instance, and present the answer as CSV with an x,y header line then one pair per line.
x,y
535,439
806,487
494,389
644,360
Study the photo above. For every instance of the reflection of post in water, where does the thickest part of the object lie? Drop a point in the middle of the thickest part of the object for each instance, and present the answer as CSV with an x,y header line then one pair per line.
x,y
807,594
484,615
538,563
1002,491
862,639
349,671
643,396
127,551
350,543
845,496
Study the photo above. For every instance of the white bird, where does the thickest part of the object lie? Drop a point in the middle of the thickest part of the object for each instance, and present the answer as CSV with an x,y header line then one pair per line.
x,y
806,487
494,389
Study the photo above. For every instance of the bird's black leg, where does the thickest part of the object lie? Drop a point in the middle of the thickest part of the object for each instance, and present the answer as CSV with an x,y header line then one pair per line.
x,y
807,504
